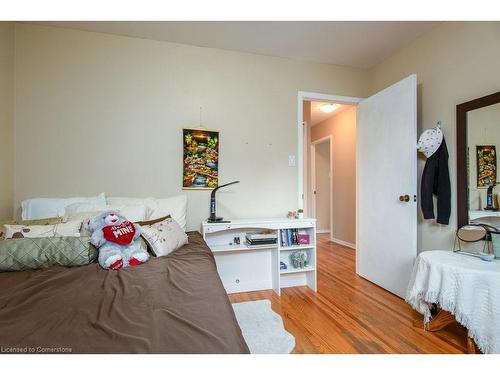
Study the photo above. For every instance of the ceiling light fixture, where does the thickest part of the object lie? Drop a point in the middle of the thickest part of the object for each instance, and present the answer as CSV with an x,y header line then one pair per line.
x,y
328,107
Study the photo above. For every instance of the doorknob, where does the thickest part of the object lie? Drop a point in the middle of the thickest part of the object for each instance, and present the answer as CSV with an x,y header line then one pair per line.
x,y
404,198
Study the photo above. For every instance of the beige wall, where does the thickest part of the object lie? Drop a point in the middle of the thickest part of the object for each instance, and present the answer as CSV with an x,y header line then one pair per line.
x,y
322,185
81,96
454,63
6,119
98,112
342,128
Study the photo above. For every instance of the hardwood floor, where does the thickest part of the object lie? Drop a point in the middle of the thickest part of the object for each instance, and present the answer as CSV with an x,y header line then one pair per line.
x,y
349,314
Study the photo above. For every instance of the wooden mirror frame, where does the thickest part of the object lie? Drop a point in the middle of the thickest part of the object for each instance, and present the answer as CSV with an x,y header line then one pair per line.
x,y
462,186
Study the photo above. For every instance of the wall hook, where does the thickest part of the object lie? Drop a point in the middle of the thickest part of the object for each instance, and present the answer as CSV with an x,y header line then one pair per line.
x,y
201,125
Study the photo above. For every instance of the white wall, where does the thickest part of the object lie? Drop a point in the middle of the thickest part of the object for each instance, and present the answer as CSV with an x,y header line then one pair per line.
x,y
342,128
97,112
455,62
6,119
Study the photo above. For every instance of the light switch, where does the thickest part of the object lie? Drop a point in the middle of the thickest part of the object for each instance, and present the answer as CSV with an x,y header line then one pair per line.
x,y
291,160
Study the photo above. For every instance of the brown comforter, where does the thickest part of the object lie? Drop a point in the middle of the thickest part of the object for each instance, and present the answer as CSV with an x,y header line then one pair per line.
x,y
173,304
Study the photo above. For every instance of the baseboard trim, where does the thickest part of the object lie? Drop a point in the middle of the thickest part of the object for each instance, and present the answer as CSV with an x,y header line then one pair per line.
x,y
322,231
343,243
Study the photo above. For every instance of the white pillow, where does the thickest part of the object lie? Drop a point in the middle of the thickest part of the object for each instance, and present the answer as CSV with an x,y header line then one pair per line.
x,y
69,229
82,211
164,237
40,208
82,216
174,206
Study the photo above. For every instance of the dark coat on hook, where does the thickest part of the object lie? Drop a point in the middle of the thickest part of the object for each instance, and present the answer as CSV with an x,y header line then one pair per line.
x,y
436,181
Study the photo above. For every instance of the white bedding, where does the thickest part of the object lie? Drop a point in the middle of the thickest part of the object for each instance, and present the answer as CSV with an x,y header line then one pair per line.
x,y
41,208
83,211
175,206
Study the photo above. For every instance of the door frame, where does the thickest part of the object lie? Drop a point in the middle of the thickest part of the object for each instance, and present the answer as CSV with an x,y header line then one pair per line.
x,y
313,96
328,139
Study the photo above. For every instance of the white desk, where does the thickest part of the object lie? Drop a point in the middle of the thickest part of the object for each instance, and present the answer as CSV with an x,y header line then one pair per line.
x,y
243,268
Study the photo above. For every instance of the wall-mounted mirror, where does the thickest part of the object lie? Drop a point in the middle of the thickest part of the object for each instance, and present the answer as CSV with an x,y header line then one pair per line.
x,y
478,141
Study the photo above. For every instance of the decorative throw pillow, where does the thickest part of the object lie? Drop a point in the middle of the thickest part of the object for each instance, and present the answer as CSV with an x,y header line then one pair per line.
x,y
34,253
164,237
47,221
151,222
69,229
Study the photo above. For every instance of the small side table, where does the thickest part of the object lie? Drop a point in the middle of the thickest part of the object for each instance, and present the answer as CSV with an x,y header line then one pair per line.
x,y
467,287
440,321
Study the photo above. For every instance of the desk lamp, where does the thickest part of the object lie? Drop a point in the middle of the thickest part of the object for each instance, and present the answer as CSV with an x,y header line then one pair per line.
x,y
213,218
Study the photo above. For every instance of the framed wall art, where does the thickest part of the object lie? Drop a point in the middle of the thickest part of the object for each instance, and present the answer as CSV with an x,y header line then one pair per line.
x,y
201,158
486,165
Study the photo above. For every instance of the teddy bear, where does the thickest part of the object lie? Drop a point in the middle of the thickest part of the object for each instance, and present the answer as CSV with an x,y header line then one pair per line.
x,y
115,237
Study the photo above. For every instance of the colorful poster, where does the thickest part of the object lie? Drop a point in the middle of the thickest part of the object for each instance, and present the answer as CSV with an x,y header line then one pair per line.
x,y
486,166
201,158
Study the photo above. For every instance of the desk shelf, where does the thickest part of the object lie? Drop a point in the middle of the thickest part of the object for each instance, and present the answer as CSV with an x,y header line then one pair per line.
x,y
244,268
230,248
297,270
297,247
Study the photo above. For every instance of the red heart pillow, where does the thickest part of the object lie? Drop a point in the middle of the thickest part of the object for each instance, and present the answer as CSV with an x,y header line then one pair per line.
x,y
122,234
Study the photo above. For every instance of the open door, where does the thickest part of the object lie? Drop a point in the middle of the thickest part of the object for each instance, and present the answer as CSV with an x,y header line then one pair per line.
x,y
321,177
386,137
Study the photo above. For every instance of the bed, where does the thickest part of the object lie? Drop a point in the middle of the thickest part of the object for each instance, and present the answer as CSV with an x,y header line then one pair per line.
x,y
172,304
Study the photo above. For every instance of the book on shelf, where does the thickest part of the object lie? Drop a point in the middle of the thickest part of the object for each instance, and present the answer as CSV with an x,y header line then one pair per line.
x,y
282,234
260,244
289,237
294,237
264,235
261,238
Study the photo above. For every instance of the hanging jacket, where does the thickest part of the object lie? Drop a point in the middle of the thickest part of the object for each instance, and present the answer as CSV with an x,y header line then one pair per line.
x,y
436,181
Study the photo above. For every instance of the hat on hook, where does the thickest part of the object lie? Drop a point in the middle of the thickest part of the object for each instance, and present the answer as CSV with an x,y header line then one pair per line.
x,y
429,141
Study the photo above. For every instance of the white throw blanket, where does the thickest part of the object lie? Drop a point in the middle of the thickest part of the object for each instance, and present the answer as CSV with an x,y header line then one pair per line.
x,y
465,286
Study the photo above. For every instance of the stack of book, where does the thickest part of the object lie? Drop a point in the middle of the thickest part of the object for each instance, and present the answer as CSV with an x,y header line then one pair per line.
x,y
293,237
261,238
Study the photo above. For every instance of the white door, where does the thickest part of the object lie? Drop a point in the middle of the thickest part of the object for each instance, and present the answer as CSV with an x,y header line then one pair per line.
x,y
386,137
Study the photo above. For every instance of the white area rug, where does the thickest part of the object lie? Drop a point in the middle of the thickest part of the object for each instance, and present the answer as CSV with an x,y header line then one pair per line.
x,y
262,328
